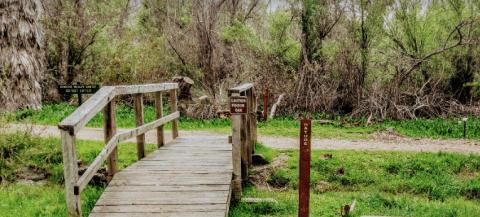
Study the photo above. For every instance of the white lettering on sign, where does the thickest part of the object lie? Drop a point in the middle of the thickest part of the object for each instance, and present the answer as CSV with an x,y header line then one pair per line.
x,y
238,100
238,105
305,136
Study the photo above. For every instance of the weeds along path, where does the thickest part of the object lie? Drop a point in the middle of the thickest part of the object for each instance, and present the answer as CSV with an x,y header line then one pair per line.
x,y
383,140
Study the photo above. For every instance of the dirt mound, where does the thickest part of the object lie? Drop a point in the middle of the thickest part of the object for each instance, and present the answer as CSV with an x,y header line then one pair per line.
x,y
32,175
100,177
388,134
261,173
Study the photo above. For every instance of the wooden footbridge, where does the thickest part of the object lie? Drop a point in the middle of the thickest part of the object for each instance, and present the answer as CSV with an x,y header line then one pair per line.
x,y
189,176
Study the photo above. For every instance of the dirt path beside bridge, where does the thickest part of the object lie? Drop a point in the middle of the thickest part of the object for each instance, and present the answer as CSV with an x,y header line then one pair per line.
x,y
383,140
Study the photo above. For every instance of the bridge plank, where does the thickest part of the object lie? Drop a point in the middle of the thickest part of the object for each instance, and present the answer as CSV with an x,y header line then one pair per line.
x,y
190,176
171,188
165,209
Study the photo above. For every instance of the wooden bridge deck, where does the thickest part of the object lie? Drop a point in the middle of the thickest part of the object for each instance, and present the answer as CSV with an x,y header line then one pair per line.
x,y
190,176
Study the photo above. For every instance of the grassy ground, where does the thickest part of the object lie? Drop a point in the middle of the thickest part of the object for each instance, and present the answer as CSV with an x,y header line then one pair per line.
x,y
449,128
389,183
383,182
20,149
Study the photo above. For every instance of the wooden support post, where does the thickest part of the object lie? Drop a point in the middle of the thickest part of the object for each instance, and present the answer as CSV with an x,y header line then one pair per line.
x,y
139,121
159,109
244,142
252,122
70,172
254,102
173,101
237,155
110,129
248,128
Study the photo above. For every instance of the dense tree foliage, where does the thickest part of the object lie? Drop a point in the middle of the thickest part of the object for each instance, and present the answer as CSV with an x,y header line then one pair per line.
x,y
397,59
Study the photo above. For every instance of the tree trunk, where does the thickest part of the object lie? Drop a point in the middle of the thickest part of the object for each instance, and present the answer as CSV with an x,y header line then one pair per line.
x,y
185,84
22,57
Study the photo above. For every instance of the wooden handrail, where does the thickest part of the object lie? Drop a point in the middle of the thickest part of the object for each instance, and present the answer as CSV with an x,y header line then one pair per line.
x,y
105,99
118,138
83,114
244,134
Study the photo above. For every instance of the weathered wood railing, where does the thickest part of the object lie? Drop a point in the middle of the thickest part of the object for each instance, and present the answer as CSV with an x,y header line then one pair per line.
x,y
244,134
105,99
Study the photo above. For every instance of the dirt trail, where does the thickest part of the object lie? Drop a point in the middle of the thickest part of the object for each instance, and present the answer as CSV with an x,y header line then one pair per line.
x,y
382,141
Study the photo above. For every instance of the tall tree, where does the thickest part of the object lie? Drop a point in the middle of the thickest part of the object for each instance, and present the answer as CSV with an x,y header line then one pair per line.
x,y
409,32
369,25
22,57
318,19
207,14
72,28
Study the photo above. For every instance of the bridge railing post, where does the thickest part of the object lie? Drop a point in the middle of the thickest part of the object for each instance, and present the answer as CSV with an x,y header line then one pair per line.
x,y
250,125
173,101
110,129
159,112
139,121
70,171
244,141
243,138
237,155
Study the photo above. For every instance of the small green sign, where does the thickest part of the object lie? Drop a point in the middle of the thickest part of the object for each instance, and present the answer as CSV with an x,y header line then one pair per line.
x,y
78,89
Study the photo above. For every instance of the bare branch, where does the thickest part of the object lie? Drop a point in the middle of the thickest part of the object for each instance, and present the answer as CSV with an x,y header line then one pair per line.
x,y
179,56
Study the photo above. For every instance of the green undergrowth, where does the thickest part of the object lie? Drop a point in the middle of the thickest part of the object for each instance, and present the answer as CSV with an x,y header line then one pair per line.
x,y
390,183
368,203
21,149
448,128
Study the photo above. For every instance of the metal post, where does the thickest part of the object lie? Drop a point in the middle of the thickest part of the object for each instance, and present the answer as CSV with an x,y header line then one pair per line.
x,y
80,101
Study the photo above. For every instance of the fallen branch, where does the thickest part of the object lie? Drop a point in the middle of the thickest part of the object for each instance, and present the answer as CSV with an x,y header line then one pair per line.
x,y
259,200
274,107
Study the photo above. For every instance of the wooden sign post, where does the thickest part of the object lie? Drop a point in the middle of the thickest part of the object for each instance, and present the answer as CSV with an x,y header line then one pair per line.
x,y
305,150
78,89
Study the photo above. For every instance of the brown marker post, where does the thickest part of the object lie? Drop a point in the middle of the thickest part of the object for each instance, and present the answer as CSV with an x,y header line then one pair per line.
x,y
265,105
305,150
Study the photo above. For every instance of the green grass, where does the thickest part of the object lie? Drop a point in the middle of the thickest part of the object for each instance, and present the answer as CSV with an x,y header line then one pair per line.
x,y
449,128
389,183
438,128
383,182
368,203
21,149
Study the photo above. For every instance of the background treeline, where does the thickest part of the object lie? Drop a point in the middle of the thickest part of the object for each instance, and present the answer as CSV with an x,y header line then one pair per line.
x,y
389,59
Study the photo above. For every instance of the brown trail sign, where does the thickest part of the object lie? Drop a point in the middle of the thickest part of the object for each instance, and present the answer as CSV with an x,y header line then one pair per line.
x,y
304,187
238,105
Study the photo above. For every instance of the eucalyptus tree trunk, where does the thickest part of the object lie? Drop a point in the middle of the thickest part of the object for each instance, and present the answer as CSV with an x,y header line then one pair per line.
x,y
22,56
